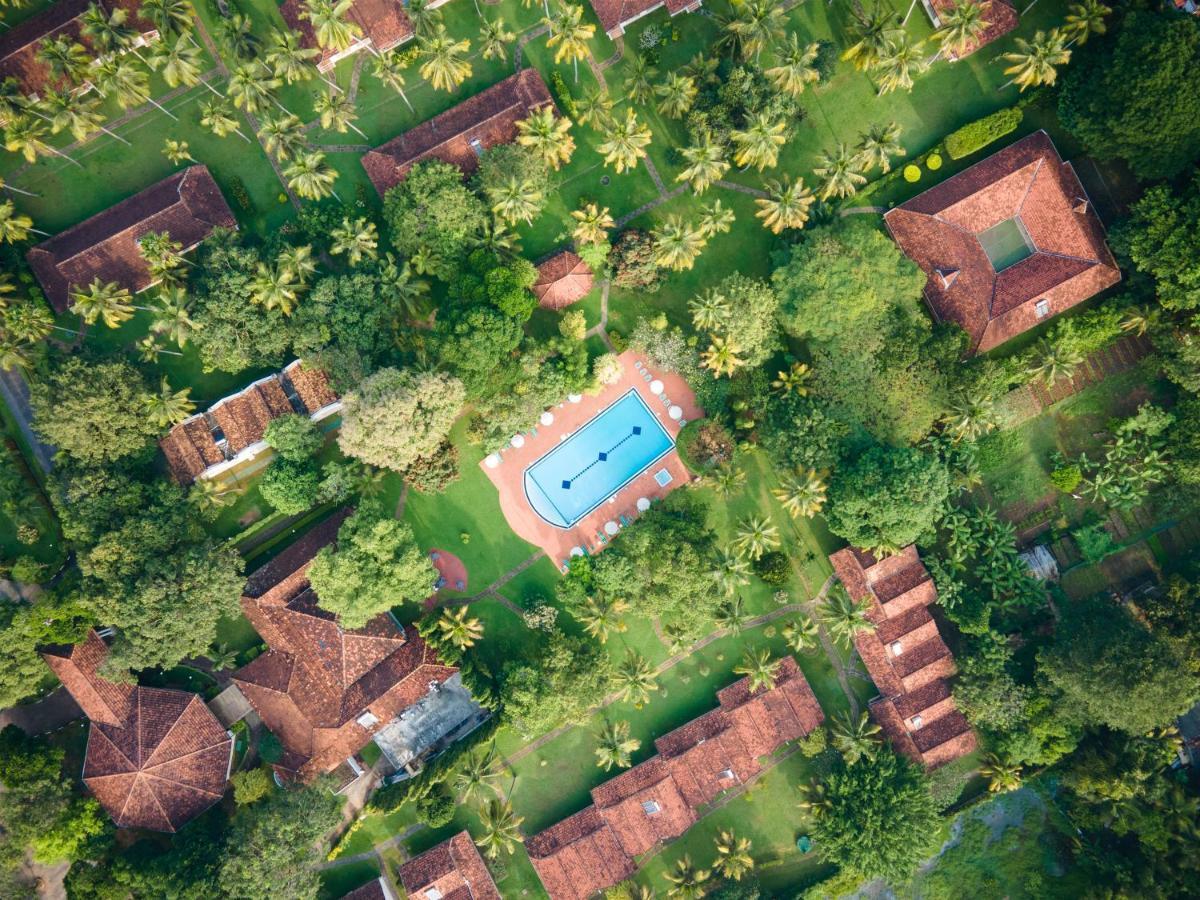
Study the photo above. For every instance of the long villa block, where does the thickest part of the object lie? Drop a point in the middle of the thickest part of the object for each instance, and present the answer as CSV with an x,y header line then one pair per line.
x,y
617,15
382,26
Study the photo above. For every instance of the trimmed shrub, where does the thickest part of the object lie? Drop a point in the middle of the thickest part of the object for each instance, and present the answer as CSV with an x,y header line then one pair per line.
x,y
978,134
251,785
563,94
933,163
436,808
912,173
773,568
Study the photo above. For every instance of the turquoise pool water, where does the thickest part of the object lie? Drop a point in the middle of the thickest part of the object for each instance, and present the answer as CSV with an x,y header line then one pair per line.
x,y
571,480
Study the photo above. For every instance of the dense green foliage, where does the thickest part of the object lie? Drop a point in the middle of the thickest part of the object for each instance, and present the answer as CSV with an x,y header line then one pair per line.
x,y
433,214
1159,239
978,134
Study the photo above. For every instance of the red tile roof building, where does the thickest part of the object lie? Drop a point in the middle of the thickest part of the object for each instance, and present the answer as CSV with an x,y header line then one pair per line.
x,y
232,429
1000,16
379,889
656,801
155,758
1007,243
460,134
616,15
562,279
383,26
322,690
453,870
906,656
188,206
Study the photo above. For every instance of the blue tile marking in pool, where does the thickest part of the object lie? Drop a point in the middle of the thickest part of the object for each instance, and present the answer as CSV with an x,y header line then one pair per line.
x,y
616,445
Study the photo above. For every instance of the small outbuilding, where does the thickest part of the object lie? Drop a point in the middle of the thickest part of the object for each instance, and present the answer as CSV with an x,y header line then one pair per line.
x,y
563,279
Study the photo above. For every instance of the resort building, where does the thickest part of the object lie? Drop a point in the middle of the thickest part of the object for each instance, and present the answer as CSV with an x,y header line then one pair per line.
x,y
562,279
658,800
155,758
19,45
906,656
460,134
616,15
382,25
1001,18
187,206
325,691
379,889
453,870
230,433
1007,243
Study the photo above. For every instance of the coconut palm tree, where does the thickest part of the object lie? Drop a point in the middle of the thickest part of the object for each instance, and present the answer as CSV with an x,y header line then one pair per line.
x,y
237,33
793,380
283,136
755,536
716,219
601,617
614,746
177,151
706,163
458,628
218,117
731,615
299,262
1001,776
426,20
591,224
801,493
900,61
963,24
625,142
389,69
758,145
28,323
445,66
288,59
399,288
754,25
328,18
870,31
181,61
1085,19
786,205
336,111
478,776
721,357
595,108
878,144
171,316
14,226
251,86
760,668
501,828
635,680
310,176
843,618
124,81
800,634
163,256
66,58
727,479
840,169
14,355
494,39
275,288
222,656
687,882
733,856
103,300
971,417
677,243
107,33
795,70
855,738
1035,62
639,82
710,311
676,95
516,199
357,238
729,572
168,407
569,35
169,17
1140,319
1050,362
548,136
12,101
26,135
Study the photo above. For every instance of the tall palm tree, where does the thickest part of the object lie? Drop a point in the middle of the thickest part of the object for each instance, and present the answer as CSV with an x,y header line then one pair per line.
x,y
731,615
426,20
870,30
103,300
108,33
625,142
1051,362
389,69
310,176
172,317
795,70
614,746
177,151
494,39
288,59
706,163
28,323
26,135
733,855
635,680
855,738
237,33
168,407
399,288
163,256
687,882
1002,776
793,380
548,136
501,828
703,67
445,66
760,668
76,113
1085,19
721,357
840,169
283,136
710,311
12,101
716,219
963,24
209,495
299,262
878,144
1035,62
336,111
786,205
357,238
181,61
66,58
169,17
727,480
128,84
328,18
729,572
478,776
639,82
754,25
218,117
251,86
676,95
459,628
801,493
758,145
800,634
843,618
222,656
971,417
591,224
595,108
602,616
569,35
275,288
755,536
516,199
677,244
14,355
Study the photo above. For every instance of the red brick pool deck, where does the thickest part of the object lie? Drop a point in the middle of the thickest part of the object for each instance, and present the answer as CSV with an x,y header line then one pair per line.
x,y
588,533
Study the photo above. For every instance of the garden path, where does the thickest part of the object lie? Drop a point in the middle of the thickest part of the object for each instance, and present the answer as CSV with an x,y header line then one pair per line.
x,y
15,390
50,713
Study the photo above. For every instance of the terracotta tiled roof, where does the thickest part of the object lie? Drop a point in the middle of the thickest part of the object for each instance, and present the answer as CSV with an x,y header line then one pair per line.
x,y
383,23
485,120
372,890
453,868
188,206
1026,183
579,856
310,384
318,680
614,15
906,656
1000,16
562,279
155,758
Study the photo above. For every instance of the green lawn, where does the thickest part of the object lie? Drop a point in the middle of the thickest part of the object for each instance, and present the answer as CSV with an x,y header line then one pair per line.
x,y
338,881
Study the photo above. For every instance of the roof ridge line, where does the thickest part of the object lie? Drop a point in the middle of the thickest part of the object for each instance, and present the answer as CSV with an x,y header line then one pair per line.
x,y
153,796
167,733
150,776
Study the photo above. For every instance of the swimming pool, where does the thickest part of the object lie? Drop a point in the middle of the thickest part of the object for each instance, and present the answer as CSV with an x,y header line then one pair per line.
x,y
571,480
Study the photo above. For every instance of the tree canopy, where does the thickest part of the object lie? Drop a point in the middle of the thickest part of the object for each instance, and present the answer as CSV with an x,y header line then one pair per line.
x,y
434,214
1159,237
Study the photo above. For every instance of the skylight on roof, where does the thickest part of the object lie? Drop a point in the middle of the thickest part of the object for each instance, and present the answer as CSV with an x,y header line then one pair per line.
x,y
1006,243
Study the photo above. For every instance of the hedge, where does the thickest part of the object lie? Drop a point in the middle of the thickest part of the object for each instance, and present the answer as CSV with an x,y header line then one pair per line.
x,y
980,133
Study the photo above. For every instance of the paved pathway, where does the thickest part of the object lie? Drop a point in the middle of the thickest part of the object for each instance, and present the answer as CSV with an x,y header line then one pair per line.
x,y
601,327
646,207
15,390
862,210
50,713
741,188
519,53
618,54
